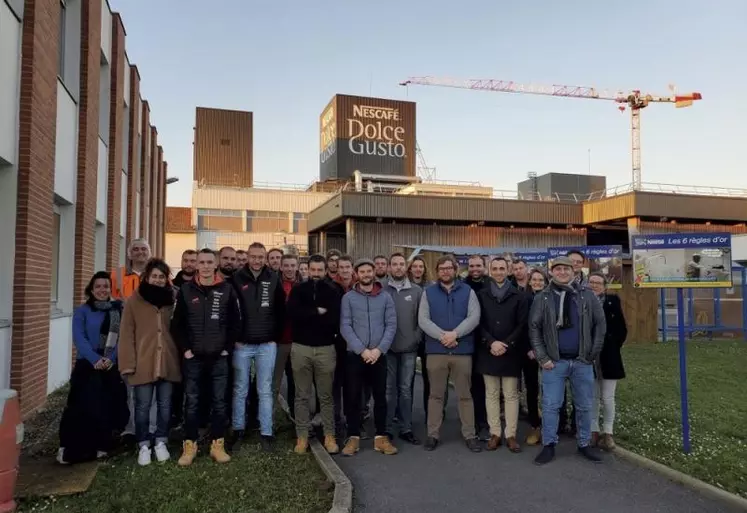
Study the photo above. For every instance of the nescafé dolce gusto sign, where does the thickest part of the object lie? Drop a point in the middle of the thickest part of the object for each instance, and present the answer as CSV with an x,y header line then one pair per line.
x,y
371,132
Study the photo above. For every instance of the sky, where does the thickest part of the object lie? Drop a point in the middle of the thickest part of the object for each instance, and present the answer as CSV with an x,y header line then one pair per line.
x,y
285,60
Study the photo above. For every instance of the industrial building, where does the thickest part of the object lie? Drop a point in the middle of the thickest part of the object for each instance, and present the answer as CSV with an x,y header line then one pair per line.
x,y
81,173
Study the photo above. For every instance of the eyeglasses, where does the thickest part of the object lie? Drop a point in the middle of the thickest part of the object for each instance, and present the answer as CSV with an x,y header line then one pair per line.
x,y
447,268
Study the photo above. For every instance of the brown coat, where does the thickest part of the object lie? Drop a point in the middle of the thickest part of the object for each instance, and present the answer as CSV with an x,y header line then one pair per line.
x,y
146,350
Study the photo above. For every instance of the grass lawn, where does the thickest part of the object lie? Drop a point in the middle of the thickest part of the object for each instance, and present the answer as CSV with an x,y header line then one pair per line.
x,y
648,409
252,482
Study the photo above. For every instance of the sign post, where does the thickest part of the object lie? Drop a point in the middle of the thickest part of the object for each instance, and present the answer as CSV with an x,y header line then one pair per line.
x,y
682,260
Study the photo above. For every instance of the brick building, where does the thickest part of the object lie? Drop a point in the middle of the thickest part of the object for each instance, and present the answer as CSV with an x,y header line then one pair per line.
x,y
81,173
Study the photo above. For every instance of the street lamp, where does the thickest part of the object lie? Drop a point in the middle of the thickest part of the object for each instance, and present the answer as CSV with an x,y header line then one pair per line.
x,y
171,180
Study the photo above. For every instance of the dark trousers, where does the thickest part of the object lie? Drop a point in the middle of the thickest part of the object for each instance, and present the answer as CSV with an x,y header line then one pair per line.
x,y
177,404
359,375
478,398
339,382
531,379
426,382
216,370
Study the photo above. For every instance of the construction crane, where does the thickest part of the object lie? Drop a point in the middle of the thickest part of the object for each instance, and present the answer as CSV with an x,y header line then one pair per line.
x,y
633,100
426,173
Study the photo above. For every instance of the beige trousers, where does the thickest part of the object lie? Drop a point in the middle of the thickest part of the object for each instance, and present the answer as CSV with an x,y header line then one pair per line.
x,y
459,368
493,386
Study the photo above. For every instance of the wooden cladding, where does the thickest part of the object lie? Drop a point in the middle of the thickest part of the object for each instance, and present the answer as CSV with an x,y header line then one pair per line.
x,y
223,148
179,220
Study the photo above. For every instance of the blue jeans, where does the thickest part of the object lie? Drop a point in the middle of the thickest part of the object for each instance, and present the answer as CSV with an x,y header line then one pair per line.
x,y
581,376
399,375
264,359
143,395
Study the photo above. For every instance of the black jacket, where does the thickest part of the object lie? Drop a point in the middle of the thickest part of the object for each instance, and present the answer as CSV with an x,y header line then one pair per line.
x,y
610,359
179,280
206,318
262,303
506,321
478,285
309,327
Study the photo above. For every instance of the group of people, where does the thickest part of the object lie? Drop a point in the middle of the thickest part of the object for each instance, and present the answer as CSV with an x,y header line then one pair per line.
x,y
344,333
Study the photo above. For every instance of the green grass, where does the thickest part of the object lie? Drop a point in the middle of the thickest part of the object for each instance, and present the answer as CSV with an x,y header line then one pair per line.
x,y
648,409
252,482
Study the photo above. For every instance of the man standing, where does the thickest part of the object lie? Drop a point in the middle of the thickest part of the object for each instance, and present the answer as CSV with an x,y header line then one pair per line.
x,y
578,259
205,325
501,351
476,280
345,279
368,322
242,257
381,269
289,278
262,304
529,367
404,351
227,261
314,313
566,330
126,280
333,255
449,313
274,256
189,267
345,276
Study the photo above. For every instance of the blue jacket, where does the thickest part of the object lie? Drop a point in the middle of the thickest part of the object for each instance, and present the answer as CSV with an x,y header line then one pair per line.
x,y
87,332
457,310
368,320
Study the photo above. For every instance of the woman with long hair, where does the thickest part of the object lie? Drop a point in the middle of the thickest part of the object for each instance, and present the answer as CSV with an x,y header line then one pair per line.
x,y
537,282
149,358
417,271
97,401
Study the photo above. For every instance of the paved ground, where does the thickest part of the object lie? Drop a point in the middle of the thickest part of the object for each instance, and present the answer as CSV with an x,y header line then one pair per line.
x,y
452,479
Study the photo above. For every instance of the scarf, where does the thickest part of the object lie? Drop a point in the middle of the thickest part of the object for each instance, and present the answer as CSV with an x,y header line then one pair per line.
x,y
566,292
499,290
109,331
155,295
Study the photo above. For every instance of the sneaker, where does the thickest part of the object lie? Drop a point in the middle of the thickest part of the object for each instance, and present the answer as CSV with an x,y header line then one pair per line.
x,y
352,446
409,437
546,455
189,451
384,445
61,456
218,451
266,442
534,437
430,443
302,445
143,456
590,454
483,434
473,444
162,452
100,455
494,442
330,444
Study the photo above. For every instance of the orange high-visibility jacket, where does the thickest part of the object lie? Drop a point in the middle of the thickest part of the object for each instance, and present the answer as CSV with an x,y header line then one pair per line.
x,y
124,282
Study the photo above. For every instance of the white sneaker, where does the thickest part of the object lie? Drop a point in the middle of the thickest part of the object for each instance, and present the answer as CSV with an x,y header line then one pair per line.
x,y
143,457
100,455
162,452
61,456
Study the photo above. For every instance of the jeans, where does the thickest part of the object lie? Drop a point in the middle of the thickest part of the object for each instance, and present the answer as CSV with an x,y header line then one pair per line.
x,y
358,375
604,396
313,365
196,370
581,376
143,395
400,371
264,358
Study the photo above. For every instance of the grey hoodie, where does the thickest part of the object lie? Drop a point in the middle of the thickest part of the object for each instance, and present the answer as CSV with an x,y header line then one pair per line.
x,y
406,304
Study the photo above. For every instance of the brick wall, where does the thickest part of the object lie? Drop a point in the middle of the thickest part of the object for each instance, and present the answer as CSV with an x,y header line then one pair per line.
x,y
133,166
158,185
145,163
88,146
34,214
152,177
116,145
162,212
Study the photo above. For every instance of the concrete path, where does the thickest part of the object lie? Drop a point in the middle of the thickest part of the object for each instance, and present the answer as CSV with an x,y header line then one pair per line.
x,y
452,479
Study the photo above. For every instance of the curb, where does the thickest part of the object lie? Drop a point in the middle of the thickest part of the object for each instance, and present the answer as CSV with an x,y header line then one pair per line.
x,y
342,501
699,486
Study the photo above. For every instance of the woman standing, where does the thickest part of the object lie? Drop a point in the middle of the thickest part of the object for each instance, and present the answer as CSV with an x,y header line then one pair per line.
x,y
537,282
97,401
148,357
609,368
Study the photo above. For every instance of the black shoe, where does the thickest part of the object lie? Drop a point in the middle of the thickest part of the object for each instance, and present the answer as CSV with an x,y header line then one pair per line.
x,y
234,441
389,436
483,434
430,443
409,438
546,455
266,443
364,433
590,454
473,444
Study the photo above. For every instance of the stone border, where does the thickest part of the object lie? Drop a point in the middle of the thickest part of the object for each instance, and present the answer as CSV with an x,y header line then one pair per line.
x,y
342,502
697,485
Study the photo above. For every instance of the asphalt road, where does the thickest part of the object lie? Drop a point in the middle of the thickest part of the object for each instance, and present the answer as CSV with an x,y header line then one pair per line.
x,y
452,479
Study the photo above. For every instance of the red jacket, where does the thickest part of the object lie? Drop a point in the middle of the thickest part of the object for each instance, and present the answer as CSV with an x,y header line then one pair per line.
x,y
287,336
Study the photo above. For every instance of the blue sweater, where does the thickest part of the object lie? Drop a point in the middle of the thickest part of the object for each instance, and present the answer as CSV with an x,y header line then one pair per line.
x,y
87,333
569,339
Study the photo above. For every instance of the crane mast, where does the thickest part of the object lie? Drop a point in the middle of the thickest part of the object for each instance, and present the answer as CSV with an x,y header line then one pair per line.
x,y
633,100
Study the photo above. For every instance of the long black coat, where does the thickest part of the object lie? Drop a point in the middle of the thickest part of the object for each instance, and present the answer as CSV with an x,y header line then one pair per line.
x,y
507,321
610,359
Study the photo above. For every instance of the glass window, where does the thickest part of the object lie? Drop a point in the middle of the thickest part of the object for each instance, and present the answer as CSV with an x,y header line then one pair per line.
x,y
266,221
55,254
299,222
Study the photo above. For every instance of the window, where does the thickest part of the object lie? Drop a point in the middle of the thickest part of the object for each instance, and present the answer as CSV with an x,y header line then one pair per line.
x,y
63,33
299,222
55,254
219,219
266,221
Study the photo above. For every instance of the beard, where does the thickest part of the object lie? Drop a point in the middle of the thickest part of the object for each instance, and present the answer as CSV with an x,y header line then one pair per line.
x,y
227,271
189,272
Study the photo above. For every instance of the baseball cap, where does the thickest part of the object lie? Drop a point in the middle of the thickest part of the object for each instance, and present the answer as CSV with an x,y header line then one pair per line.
x,y
363,261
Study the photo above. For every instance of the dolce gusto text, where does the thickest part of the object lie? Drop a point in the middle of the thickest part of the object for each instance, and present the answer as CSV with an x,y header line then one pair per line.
x,y
370,136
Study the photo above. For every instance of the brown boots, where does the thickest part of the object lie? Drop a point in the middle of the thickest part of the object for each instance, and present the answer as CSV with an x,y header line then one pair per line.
x,y
217,452
382,444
